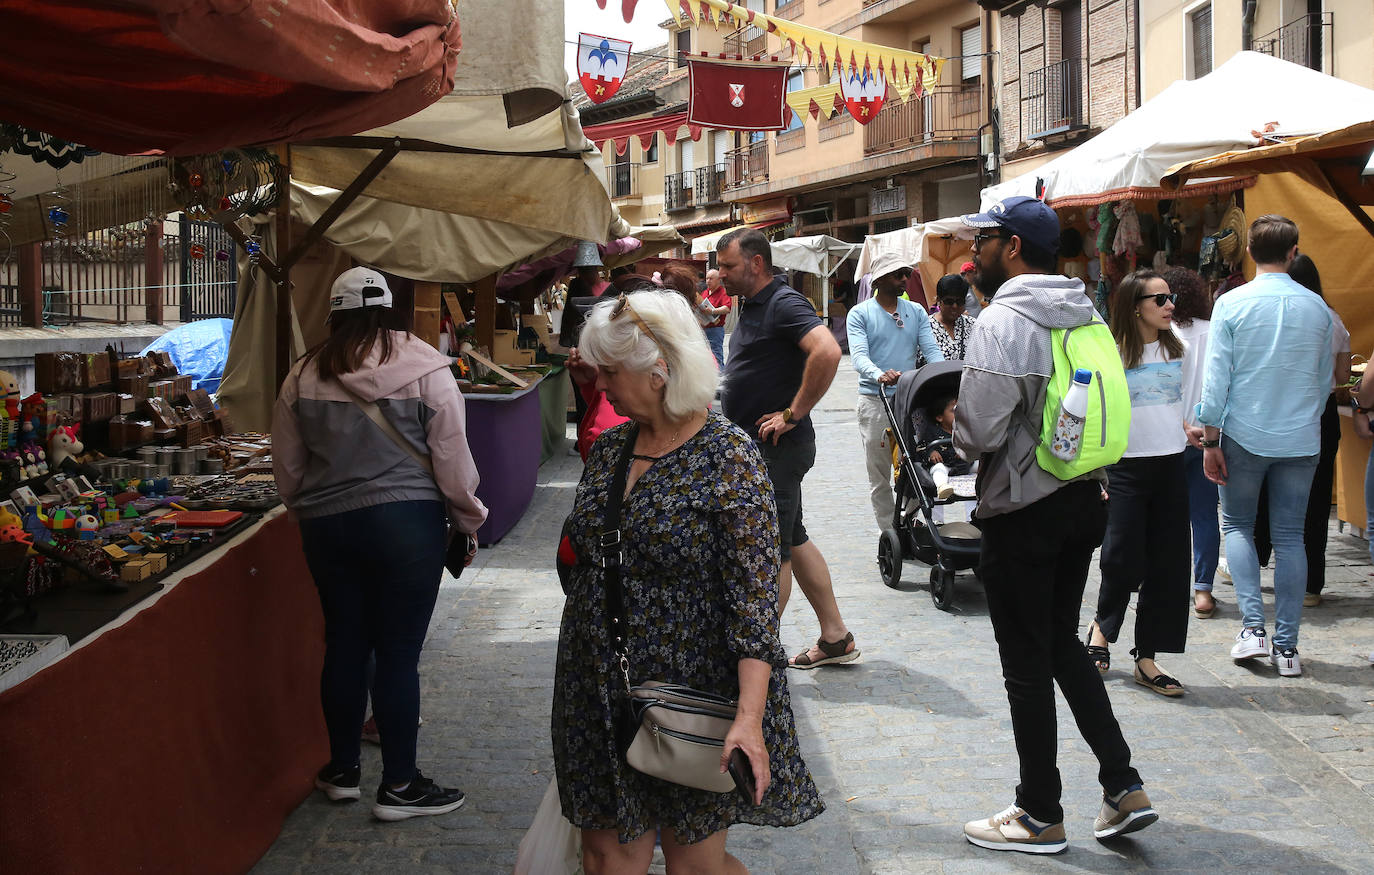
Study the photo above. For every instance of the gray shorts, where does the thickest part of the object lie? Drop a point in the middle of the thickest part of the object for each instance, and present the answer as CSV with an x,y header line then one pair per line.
x,y
787,464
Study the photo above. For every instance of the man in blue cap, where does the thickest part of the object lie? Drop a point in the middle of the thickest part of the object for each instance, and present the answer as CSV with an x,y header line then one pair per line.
x,y
1039,532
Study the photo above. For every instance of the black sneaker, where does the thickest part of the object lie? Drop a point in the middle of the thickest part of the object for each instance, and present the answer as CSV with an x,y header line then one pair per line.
x,y
340,785
422,797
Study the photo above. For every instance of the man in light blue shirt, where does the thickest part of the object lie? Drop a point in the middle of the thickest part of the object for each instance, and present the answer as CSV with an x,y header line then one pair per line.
x,y
1266,380
887,335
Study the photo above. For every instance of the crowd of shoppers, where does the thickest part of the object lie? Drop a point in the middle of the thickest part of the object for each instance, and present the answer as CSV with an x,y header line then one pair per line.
x,y
690,520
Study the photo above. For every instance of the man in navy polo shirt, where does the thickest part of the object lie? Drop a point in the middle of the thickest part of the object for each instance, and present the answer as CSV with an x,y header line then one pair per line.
x,y
782,360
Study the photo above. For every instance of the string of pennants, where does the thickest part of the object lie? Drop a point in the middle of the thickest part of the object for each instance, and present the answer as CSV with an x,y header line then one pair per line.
x,y
907,72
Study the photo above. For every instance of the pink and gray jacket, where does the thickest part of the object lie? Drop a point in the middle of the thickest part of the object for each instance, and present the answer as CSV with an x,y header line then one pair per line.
x,y
330,458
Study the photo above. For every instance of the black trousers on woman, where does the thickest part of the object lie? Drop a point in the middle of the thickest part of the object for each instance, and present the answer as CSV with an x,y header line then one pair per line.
x,y
1147,548
1318,517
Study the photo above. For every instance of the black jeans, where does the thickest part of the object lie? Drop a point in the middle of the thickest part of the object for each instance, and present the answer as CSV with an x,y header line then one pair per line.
x,y
1318,505
377,570
1146,548
1034,567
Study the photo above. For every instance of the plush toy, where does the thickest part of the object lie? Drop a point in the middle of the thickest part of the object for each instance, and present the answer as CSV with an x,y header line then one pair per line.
x,y
42,459
9,388
62,445
30,464
86,527
31,411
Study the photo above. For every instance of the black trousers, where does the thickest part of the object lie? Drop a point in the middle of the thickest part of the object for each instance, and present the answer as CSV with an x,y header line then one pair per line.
x,y
1146,548
1034,567
1318,505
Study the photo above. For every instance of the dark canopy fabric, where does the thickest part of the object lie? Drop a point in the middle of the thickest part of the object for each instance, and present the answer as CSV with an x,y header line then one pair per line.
x,y
191,76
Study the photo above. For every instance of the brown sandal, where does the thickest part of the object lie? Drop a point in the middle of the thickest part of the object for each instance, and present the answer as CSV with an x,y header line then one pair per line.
x,y
835,653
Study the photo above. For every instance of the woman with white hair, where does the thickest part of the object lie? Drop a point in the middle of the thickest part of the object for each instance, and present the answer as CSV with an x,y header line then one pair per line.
x,y
698,562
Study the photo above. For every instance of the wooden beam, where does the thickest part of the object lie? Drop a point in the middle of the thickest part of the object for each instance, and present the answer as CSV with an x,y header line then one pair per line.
x,y
265,263
1339,192
341,203
484,333
31,284
502,372
283,224
153,273
427,310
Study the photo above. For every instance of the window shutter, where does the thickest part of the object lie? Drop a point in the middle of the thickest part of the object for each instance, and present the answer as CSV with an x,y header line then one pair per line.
x,y
1202,41
971,47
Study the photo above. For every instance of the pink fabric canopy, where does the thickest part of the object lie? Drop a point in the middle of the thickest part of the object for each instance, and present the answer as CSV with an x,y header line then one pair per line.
x,y
192,76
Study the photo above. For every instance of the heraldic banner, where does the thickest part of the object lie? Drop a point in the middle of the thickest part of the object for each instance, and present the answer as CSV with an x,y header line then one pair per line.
x,y
601,65
737,97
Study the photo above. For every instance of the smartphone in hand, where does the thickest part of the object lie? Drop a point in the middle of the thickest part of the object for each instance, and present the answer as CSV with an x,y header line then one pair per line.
x,y
743,773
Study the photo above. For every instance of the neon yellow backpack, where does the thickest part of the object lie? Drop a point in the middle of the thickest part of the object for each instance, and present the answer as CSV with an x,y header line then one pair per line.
x,y
1107,422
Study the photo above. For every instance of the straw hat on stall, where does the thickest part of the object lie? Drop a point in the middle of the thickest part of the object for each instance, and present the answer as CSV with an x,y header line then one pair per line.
x,y
1232,246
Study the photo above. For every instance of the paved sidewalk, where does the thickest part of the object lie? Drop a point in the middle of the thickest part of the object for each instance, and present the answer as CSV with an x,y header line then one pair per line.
x,y
1249,771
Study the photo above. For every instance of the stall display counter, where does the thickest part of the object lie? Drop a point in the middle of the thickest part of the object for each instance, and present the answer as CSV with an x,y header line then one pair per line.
x,y
505,433
204,695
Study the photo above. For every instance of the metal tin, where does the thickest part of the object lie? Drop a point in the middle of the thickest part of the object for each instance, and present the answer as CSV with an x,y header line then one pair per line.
x,y
184,462
166,455
147,455
212,466
161,470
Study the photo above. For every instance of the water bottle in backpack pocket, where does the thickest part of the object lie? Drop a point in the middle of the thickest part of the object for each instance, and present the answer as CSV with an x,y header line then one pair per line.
x,y
1086,420
1073,415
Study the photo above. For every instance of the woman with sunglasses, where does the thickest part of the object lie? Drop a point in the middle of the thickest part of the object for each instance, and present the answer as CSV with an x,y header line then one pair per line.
x,y
697,547
1146,546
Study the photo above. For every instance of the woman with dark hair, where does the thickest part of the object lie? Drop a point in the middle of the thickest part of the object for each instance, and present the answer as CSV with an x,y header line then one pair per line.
x,y
1318,516
952,326
351,481
1192,310
1146,543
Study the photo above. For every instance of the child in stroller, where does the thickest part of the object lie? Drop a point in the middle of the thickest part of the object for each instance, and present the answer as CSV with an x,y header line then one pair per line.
x,y
919,528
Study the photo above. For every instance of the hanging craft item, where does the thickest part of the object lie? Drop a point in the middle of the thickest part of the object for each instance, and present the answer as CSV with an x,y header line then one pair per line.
x,y
241,182
737,97
56,153
907,72
864,92
601,65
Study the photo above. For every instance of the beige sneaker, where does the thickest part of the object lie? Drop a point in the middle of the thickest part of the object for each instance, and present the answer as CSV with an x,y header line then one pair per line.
x,y
1014,830
1311,599
1129,811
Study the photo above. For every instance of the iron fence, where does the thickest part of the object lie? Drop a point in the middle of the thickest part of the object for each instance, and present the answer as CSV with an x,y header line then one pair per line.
x,y
1301,41
679,190
1053,100
747,164
623,180
206,269
948,112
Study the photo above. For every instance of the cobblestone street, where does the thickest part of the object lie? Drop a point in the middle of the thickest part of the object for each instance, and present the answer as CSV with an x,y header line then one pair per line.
x,y
1248,771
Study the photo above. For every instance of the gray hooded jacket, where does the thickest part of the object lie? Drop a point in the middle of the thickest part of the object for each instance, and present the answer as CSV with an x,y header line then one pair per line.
x,y
1002,392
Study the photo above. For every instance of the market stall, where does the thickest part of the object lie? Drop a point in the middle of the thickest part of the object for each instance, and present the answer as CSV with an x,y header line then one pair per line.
x,y
819,255
932,248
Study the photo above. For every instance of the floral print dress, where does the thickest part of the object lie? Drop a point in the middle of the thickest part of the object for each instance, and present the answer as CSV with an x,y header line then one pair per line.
x,y
699,568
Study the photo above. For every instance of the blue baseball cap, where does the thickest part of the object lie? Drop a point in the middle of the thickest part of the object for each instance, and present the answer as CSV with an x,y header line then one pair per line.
x,y
1026,217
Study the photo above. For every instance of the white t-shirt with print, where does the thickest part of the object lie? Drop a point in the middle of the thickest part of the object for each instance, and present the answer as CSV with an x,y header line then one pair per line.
x,y
1157,387
1194,336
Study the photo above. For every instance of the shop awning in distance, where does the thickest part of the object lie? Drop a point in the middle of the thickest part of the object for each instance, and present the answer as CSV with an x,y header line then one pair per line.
x,y
644,128
184,78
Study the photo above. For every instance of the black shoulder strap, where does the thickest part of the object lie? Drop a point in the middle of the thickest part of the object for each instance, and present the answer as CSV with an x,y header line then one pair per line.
x,y
611,545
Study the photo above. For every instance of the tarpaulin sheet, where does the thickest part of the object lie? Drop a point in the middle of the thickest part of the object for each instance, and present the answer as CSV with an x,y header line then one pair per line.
x,y
193,76
198,349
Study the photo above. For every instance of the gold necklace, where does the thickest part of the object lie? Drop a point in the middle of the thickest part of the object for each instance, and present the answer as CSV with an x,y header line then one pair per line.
x,y
663,448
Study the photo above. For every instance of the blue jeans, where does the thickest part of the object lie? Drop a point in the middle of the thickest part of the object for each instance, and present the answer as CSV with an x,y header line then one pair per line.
x,y
715,335
377,570
1202,512
1290,480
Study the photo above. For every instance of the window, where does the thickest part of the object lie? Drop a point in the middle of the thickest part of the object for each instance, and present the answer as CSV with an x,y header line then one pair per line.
x,y
684,155
651,153
795,82
720,145
1199,39
684,45
971,47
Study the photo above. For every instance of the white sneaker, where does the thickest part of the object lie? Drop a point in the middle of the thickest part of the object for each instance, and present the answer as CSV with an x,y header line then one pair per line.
x,y
1250,643
1224,571
1287,662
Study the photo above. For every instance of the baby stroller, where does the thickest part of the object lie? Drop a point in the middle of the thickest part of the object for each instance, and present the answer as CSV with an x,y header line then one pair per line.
x,y
947,547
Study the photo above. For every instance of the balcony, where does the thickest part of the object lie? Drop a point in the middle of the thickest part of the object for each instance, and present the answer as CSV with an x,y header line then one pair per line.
x,y
622,180
1301,41
746,42
679,191
710,182
943,114
747,165
1052,102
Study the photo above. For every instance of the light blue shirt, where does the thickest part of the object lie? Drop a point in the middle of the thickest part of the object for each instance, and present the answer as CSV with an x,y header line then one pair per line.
x,y
1268,369
877,344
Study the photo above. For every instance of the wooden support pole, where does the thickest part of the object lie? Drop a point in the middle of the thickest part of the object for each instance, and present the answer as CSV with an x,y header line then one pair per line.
x,y
485,331
427,312
153,273
31,284
283,225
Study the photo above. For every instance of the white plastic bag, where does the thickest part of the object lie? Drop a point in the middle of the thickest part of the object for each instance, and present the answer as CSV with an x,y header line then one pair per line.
x,y
551,846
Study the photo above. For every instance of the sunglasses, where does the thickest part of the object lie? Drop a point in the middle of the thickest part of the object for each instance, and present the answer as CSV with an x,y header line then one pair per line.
x,y
622,306
980,239
1161,299
898,319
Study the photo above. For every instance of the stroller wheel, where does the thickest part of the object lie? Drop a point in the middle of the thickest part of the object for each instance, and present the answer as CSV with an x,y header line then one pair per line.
x,y
890,558
941,586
